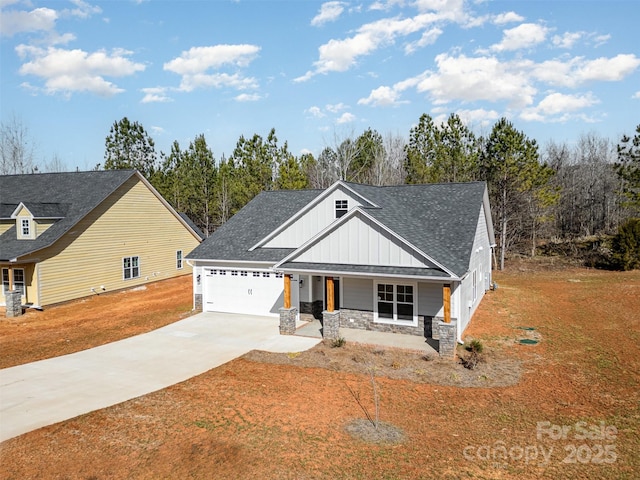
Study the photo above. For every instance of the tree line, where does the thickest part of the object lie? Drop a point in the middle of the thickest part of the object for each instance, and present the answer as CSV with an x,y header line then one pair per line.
x,y
560,192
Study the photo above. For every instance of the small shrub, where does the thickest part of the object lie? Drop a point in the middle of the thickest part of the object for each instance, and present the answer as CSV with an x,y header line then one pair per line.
x,y
475,346
625,246
338,342
475,349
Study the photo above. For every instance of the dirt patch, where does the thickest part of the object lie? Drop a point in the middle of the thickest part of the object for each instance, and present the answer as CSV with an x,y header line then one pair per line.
x,y
266,416
93,321
496,368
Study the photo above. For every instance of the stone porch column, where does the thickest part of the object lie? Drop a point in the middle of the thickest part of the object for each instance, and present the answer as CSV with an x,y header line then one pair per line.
x,y
331,325
448,339
14,303
288,320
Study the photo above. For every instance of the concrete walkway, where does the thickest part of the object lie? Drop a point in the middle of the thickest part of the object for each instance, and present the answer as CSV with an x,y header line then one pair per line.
x,y
49,391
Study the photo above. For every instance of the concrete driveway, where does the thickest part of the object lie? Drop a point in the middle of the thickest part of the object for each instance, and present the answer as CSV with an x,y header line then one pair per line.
x,y
46,392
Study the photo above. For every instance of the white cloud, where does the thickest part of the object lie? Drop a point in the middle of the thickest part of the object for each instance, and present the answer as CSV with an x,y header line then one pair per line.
x,y
315,112
346,117
601,39
556,103
636,96
329,12
336,107
68,71
155,95
246,97
507,17
474,79
478,116
200,59
428,38
523,36
567,40
82,10
576,71
608,69
194,65
39,19
341,55
382,97
217,80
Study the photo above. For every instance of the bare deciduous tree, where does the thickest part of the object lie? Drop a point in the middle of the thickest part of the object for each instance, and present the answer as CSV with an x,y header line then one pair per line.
x,y
17,149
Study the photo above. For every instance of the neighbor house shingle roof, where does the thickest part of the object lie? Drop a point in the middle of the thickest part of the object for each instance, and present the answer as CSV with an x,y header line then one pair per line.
x,y
67,196
438,219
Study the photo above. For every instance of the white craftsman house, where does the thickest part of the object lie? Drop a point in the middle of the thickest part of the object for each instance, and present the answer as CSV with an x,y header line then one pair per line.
x,y
404,259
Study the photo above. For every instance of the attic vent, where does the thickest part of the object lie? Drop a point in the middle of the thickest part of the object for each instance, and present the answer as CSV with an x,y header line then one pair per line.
x,y
341,207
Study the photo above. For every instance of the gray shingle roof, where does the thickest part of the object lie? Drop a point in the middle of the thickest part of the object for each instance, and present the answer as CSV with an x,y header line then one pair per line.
x,y
266,212
438,219
52,195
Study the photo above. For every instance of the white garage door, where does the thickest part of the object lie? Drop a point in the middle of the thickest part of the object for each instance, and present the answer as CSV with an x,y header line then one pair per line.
x,y
251,292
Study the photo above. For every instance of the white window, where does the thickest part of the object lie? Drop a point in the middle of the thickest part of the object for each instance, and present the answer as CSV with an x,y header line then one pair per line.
x,y
396,303
18,280
265,274
223,272
256,274
179,259
341,207
130,267
26,227
234,273
243,273
279,275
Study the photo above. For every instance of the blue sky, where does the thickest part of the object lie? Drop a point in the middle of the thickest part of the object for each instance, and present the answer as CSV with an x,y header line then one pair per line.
x,y
315,71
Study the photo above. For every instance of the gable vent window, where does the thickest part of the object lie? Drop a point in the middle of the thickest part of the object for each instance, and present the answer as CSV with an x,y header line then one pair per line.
x,y
341,207
26,227
179,259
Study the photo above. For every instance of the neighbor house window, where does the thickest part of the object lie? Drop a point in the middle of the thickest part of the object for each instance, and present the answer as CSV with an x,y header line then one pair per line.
x,y
179,259
341,207
18,280
395,302
130,267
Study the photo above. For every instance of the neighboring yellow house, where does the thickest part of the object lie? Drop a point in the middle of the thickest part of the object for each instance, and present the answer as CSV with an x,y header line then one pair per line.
x,y
70,235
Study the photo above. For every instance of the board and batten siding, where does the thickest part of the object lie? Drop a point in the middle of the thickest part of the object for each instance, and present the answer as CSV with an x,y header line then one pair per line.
x,y
130,222
357,293
430,299
313,221
479,269
360,241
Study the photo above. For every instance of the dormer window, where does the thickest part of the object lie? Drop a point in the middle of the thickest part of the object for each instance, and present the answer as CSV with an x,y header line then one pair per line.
x,y
26,227
341,207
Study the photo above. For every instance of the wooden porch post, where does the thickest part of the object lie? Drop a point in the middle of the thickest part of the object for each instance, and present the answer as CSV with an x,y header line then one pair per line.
x,y
287,291
330,297
10,278
446,297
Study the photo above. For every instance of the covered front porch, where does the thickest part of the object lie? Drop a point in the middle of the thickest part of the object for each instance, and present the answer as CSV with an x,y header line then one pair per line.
x,y
387,310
